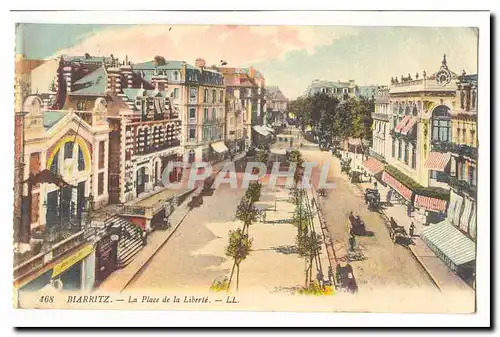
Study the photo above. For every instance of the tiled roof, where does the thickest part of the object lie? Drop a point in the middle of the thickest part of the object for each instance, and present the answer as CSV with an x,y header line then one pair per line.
x,y
93,83
50,118
169,65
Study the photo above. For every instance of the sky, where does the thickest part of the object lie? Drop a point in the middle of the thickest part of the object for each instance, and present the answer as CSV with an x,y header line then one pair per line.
x,y
290,57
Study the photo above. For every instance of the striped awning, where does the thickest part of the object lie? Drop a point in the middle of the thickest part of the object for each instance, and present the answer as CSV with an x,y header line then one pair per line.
x,y
437,161
431,204
409,125
397,186
219,147
451,245
402,123
464,218
373,165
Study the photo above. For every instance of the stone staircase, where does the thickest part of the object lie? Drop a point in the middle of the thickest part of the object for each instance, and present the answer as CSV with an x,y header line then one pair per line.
x,y
131,240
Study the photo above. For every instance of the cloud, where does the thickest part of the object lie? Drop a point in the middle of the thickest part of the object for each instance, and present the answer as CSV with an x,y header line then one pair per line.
x,y
235,44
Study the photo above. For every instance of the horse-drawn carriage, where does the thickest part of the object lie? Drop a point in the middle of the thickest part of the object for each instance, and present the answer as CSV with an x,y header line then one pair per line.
x,y
357,225
345,278
398,233
372,198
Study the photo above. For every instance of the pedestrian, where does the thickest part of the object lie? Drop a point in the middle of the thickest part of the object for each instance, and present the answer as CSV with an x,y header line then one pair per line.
x,y
375,185
412,229
264,217
409,210
388,196
352,243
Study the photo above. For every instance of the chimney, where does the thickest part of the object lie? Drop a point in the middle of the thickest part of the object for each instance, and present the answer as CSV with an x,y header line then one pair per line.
x,y
160,80
200,63
114,80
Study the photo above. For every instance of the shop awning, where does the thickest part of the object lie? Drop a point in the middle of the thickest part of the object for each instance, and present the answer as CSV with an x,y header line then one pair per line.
x,y
411,123
437,161
431,204
219,147
397,186
401,124
261,130
374,166
464,219
451,245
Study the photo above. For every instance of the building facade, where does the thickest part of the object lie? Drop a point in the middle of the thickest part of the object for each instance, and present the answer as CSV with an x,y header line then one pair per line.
x,y
340,90
381,126
234,123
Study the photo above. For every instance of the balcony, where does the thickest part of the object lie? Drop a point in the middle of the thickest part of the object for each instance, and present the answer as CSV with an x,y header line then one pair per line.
x,y
380,116
157,148
35,260
214,121
458,149
463,186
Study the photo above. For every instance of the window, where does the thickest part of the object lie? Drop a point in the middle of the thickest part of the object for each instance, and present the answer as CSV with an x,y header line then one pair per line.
x,y
463,170
473,137
393,148
192,95
206,133
214,113
214,96
406,154
176,93
205,96
472,176
441,124
192,113
464,135
205,114
414,157
400,150
80,106
100,184
176,76
458,135
433,174
68,150
81,160
192,133
101,154
221,96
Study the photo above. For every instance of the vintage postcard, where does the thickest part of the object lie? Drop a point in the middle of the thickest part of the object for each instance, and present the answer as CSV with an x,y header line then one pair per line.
x,y
247,167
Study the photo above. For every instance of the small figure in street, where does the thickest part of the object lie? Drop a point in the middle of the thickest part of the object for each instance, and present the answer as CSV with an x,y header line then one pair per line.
x,y
330,273
264,217
409,210
388,196
352,243
375,185
144,238
412,229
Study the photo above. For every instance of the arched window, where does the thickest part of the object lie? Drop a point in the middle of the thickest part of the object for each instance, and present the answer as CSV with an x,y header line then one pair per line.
x,y
441,124
54,166
81,160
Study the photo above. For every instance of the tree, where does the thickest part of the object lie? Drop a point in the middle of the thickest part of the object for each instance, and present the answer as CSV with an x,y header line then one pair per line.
x,y
308,247
159,60
247,213
253,191
262,156
239,247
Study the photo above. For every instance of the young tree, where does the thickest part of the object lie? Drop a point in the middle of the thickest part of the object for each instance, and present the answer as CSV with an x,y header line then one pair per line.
x,y
253,191
239,247
247,213
308,247
262,156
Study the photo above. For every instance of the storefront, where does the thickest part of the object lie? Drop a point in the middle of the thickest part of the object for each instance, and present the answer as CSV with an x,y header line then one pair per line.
x,y
453,247
397,186
374,166
220,150
430,210
65,272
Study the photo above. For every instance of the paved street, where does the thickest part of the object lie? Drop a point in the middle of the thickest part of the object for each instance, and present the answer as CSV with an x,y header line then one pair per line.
x,y
386,264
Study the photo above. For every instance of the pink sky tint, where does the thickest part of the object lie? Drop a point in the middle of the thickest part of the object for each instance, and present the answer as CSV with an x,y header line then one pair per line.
x,y
237,45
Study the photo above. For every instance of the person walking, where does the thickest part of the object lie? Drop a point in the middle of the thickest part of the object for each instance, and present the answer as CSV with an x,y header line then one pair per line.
x,y
388,196
409,210
352,243
412,229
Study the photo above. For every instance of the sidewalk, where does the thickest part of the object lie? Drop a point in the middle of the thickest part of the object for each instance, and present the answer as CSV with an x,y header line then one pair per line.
x,y
119,279
440,274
